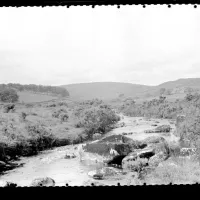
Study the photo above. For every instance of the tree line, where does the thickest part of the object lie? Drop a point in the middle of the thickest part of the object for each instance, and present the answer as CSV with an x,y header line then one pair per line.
x,y
55,90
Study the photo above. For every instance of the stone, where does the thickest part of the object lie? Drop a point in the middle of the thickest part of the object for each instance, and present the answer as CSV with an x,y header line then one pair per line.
x,y
39,182
163,128
156,151
139,153
98,176
70,156
104,173
159,144
130,133
160,129
108,148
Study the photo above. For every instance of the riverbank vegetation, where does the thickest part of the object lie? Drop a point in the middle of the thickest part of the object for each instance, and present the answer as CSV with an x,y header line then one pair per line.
x,y
26,129
180,168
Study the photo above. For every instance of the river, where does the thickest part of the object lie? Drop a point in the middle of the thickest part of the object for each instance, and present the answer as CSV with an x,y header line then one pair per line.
x,y
52,163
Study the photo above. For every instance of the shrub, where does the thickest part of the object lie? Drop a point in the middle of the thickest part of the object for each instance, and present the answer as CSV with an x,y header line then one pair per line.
x,y
174,150
62,103
57,113
96,136
189,130
41,138
98,120
64,117
51,105
23,115
9,107
157,108
140,165
9,95
79,124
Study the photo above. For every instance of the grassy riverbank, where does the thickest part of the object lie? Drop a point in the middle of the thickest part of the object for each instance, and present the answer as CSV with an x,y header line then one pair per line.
x,y
28,129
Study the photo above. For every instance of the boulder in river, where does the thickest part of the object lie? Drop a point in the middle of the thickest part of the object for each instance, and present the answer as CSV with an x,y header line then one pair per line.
x,y
70,156
105,172
145,153
130,133
39,182
157,150
108,148
160,129
159,144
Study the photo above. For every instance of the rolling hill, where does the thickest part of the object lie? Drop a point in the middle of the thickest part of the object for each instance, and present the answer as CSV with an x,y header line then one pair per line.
x,y
189,82
104,90
112,90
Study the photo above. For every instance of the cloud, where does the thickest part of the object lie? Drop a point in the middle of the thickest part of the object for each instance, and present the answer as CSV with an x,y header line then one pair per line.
x,y
58,46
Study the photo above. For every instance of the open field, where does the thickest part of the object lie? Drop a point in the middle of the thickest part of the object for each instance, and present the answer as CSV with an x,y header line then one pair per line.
x,y
29,97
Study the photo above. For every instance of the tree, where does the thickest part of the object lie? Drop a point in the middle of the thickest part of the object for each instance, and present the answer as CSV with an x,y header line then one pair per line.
x,y
9,96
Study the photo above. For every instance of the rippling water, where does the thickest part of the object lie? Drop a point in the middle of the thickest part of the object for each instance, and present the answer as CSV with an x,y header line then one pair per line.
x,y
52,163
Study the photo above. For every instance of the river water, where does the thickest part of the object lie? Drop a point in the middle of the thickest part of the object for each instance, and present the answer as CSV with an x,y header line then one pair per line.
x,y
52,163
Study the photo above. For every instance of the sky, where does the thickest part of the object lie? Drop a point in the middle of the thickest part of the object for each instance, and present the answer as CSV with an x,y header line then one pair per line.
x,y
59,45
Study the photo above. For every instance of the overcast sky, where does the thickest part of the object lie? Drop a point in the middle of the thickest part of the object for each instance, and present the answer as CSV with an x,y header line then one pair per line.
x,y
59,45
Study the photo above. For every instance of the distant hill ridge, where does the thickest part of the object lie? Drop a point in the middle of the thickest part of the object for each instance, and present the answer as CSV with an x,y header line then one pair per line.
x,y
110,90
52,90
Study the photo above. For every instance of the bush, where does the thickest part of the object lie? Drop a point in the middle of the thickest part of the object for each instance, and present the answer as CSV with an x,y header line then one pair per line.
x,y
23,115
98,120
57,113
174,150
9,107
156,108
189,130
9,95
62,103
64,117
51,105
41,138
96,136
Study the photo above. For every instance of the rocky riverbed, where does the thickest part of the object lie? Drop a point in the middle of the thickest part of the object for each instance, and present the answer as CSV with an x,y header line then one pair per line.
x,y
64,164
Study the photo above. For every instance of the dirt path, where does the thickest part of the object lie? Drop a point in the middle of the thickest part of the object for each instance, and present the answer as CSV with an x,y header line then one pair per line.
x,y
52,163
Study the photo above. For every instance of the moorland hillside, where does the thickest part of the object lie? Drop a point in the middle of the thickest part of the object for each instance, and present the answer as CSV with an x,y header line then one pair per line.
x,y
112,90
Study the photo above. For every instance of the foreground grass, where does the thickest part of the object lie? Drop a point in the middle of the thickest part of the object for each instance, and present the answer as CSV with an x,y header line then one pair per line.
x,y
176,170
36,131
